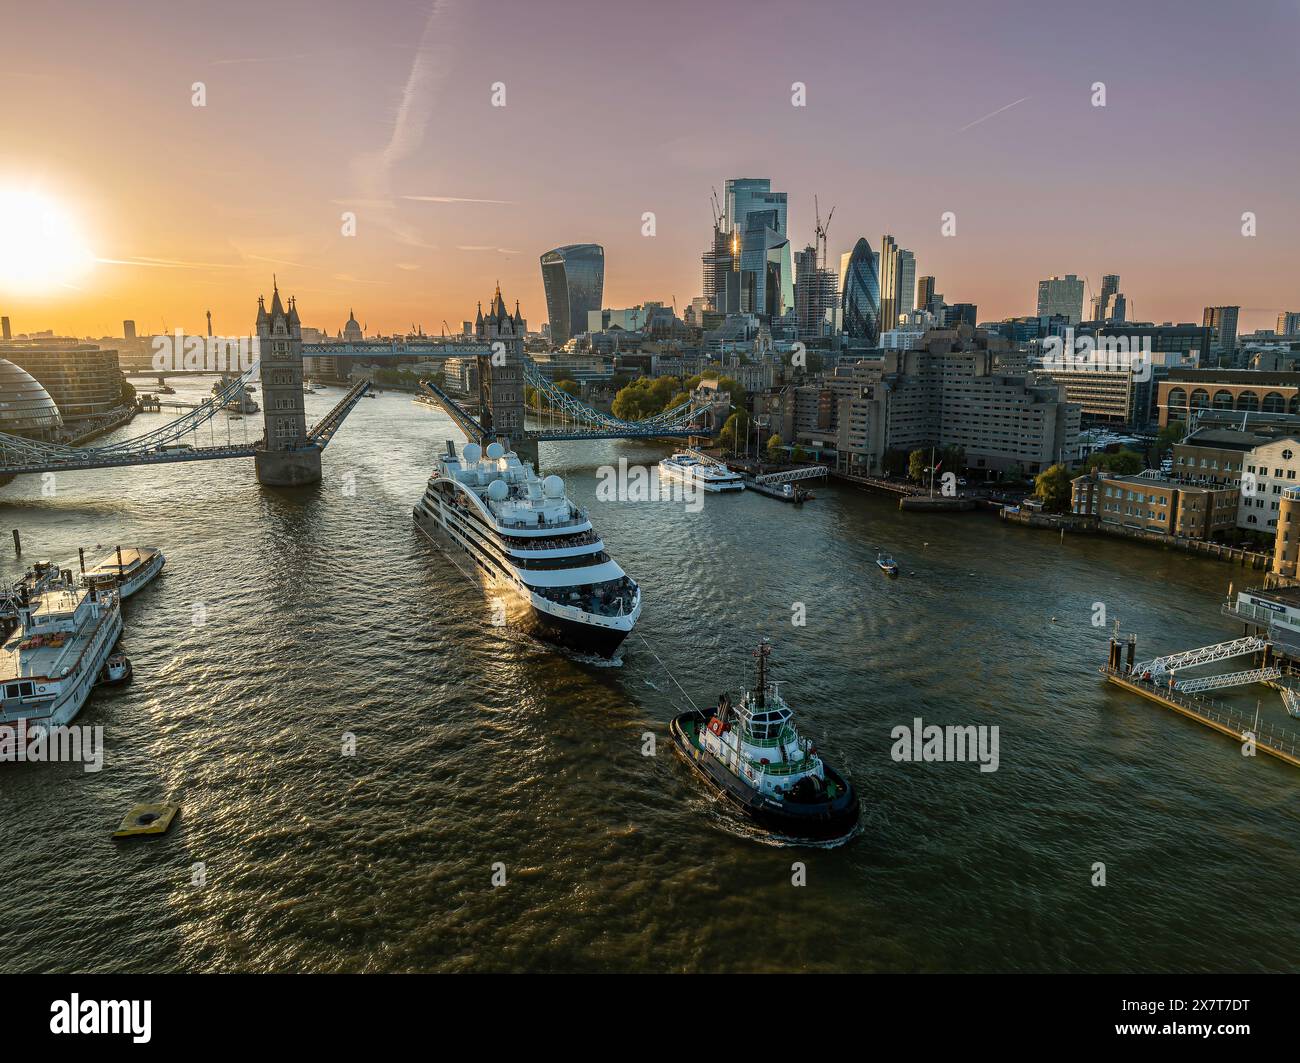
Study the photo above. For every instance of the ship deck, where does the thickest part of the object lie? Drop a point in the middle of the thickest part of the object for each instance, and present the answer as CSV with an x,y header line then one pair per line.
x,y
691,728
55,651
132,558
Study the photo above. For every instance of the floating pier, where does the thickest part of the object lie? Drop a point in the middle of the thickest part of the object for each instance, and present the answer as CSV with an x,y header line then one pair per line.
x,y
1157,681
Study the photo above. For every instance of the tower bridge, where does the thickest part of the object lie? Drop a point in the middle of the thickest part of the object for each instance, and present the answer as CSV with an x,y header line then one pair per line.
x,y
288,453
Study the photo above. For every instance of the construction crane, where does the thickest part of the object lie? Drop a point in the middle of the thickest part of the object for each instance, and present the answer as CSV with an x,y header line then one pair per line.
x,y
820,232
715,206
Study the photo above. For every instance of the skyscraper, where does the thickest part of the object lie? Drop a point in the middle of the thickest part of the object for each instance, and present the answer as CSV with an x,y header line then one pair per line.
x,y
860,294
761,275
1288,323
897,277
574,279
924,292
1061,295
744,195
906,283
1109,304
1223,319
815,293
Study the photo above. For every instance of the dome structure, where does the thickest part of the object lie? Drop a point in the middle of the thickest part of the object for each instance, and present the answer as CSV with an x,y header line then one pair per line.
x,y
26,408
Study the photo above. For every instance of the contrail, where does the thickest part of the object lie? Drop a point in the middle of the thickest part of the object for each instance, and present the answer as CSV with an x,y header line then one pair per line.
x,y
374,170
455,199
991,114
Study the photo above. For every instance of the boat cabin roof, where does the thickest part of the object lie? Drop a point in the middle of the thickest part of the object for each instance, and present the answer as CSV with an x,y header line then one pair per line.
x,y
132,557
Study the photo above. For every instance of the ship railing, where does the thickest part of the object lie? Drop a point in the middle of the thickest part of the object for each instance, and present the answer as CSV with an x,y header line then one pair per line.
x,y
794,767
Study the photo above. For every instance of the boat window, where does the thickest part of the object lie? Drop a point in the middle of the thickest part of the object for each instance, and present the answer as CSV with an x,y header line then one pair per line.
x,y
25,689
11,691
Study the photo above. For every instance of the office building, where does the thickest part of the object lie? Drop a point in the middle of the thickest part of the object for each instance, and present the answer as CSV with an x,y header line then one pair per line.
x,y
860,295
816,292
1109,304
1061,295
26,408
1288,323
84,379
574,280
1223,320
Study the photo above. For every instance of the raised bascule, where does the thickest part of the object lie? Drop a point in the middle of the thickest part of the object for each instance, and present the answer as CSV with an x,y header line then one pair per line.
x,y
287,454
506,372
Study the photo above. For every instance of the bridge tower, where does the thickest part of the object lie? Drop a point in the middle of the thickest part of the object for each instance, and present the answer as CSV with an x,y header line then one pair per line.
x,y
286,459
501,376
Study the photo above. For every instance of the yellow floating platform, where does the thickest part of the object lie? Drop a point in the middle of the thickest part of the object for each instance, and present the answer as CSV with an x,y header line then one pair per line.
x,y
147,819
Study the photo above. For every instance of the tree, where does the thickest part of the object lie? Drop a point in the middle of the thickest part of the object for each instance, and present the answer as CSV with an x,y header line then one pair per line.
x,y
1172,433
774,452
734,431
799,455
1052,488
645,397
570,385
1124,462
918,464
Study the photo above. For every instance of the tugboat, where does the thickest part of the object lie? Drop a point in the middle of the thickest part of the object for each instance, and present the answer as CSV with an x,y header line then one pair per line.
x,y
752,754
886,563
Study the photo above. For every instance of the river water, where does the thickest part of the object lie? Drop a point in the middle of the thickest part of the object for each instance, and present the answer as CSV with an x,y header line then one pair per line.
x,y
324,614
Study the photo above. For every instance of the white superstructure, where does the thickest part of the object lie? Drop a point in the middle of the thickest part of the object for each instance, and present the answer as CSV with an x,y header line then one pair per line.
x,y
692,467
50,663
519,532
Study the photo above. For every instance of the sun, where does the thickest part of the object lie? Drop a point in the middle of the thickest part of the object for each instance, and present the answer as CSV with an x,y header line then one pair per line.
x,y
40,245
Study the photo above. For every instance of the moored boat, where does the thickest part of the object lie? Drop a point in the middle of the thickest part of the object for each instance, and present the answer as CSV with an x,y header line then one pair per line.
x,y
886,564
127,569
117,670
50,664
692,467
752,754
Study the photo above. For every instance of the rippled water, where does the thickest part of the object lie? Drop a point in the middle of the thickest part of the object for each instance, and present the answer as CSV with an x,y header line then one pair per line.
x,y
326,614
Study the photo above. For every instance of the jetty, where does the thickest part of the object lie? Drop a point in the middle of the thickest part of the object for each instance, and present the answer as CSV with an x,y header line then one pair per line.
x,y
1161,680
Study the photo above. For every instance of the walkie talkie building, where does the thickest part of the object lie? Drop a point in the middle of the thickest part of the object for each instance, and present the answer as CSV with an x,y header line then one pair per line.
x,y
574,279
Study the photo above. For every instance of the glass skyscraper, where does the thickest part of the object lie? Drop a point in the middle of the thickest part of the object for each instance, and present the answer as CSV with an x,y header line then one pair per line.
x,y
574,279
860,294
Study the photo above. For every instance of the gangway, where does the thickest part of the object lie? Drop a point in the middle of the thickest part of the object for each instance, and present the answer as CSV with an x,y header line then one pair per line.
x,y
1227,679
1220,651
810,472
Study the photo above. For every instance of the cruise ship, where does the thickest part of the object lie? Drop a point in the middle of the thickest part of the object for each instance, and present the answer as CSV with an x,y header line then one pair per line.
x,y
692,467
49,665
522,535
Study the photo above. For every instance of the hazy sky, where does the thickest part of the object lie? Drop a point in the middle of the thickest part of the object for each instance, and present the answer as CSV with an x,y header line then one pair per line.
x,y
316,107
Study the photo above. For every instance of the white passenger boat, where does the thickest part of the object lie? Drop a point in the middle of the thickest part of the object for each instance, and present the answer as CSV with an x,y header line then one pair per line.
x,y
692,467
520,534
50,663
128,569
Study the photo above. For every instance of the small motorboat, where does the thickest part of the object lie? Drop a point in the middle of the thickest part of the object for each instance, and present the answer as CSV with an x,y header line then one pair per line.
x,y
886,564
117,670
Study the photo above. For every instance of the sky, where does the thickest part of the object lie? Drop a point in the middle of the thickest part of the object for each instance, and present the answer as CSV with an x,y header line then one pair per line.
x,y
384,109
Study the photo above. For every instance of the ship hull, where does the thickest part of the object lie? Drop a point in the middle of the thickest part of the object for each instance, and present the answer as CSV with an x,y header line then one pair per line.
x,y
586,638
821,821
